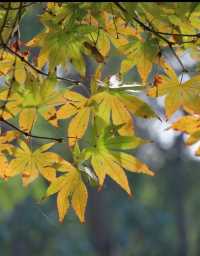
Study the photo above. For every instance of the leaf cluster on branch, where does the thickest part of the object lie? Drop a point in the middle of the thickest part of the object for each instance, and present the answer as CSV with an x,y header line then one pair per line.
x,y
140,33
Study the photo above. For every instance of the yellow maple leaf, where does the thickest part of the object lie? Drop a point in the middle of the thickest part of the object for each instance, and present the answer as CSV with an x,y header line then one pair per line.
x,y
19,70
142,53
111,163
190,125
4,167
32,100
118,30
6,148
108,158
77,106
120,106
30,163
12,104
69,185
103,165
9,136
186,95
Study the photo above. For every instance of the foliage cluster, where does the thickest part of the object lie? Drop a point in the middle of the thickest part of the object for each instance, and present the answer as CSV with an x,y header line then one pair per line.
x,y
31,88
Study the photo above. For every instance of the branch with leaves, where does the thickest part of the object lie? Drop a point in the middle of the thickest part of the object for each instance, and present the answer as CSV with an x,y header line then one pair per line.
x,y
158,34
99,128
60,140
22,58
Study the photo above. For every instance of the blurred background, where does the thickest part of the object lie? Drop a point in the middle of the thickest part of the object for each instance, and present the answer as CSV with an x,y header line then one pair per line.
x,y
160,219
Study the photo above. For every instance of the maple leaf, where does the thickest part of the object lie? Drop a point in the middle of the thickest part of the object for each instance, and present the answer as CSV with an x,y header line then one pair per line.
x,y
12,103
118,103
6,148
109,28
69,185
51,41
191,126
30,163
187,124
185,95
117,29
139,33
77,106
31,100
107,157
5,140
4,167
10,65
140,53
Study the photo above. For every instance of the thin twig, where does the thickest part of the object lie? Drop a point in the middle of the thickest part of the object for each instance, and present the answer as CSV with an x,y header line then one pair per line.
x,y
178,59
141,23
38,70
17,19
171,48
59,140
156,33
179,34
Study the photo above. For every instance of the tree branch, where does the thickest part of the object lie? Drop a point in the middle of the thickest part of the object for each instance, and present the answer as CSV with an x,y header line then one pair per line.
x,y
59,140
179,34
141,23
36,69
156,33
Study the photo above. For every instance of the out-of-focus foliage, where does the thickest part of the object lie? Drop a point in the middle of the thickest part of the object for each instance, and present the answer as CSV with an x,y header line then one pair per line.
x,y
71,34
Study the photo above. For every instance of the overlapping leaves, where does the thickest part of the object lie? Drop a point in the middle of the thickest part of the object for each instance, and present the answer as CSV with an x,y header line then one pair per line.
x,y
30,100
107,156
184,95
105,103
71,31
57,33
118,103
77,106
30,163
